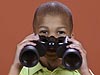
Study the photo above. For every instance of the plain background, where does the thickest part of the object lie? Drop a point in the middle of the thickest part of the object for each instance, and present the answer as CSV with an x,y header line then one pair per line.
x,y
16,22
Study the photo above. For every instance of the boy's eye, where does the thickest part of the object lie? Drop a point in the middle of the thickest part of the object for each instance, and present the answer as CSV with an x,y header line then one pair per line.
x,y
60,32
44,32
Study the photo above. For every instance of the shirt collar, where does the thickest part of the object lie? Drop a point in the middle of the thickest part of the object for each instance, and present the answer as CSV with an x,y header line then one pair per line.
x,y
40,67
36,68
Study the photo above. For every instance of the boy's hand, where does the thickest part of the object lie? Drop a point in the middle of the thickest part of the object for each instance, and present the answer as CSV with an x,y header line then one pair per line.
x,y
16,66
25,42
75,44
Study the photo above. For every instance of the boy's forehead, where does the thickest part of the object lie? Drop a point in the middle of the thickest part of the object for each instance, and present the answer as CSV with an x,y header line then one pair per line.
x,y
49,18
53,22
54,19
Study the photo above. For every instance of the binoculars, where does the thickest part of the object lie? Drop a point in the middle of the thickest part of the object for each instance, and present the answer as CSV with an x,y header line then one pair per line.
x,y
71,57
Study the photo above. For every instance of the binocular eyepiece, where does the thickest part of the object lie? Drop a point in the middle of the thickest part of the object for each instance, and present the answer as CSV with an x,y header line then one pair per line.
x,y
71,57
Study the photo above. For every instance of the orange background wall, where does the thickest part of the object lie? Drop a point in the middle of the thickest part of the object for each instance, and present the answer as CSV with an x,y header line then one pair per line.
x,y
16,22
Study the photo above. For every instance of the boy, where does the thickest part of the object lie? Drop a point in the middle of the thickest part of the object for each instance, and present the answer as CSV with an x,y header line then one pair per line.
x,y
50,19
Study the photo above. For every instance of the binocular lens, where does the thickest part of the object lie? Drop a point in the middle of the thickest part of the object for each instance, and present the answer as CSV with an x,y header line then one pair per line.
x,y
72,59
29,56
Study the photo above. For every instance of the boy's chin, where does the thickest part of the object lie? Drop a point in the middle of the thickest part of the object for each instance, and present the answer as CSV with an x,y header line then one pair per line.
x,y
51,55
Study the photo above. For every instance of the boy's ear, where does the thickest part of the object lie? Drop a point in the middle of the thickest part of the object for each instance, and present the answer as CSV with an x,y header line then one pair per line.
x,y
72,35
34,31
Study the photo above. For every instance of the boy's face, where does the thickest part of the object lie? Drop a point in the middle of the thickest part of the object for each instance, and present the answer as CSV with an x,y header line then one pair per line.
x,y
53,26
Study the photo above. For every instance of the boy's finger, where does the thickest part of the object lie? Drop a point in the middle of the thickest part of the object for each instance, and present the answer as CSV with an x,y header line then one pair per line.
x,y
74,41
30,38
33,36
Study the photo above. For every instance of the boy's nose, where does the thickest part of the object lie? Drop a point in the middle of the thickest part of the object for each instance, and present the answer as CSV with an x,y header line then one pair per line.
x,y
52,35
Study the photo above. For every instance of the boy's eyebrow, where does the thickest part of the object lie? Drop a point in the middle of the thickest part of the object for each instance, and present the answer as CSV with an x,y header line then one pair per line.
x,y
47,27
43,27
61,27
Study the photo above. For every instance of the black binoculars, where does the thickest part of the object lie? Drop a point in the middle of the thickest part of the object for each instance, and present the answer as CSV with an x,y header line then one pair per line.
x,y
71,57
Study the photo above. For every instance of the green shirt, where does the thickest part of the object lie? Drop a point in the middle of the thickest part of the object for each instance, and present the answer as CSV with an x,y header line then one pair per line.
x,y
40,70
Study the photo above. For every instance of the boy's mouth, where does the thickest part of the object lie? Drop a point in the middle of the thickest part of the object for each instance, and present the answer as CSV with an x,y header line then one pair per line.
x,y
51,50
51,54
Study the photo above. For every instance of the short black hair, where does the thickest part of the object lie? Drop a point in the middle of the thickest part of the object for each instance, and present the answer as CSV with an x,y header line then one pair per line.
x,y
52,8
